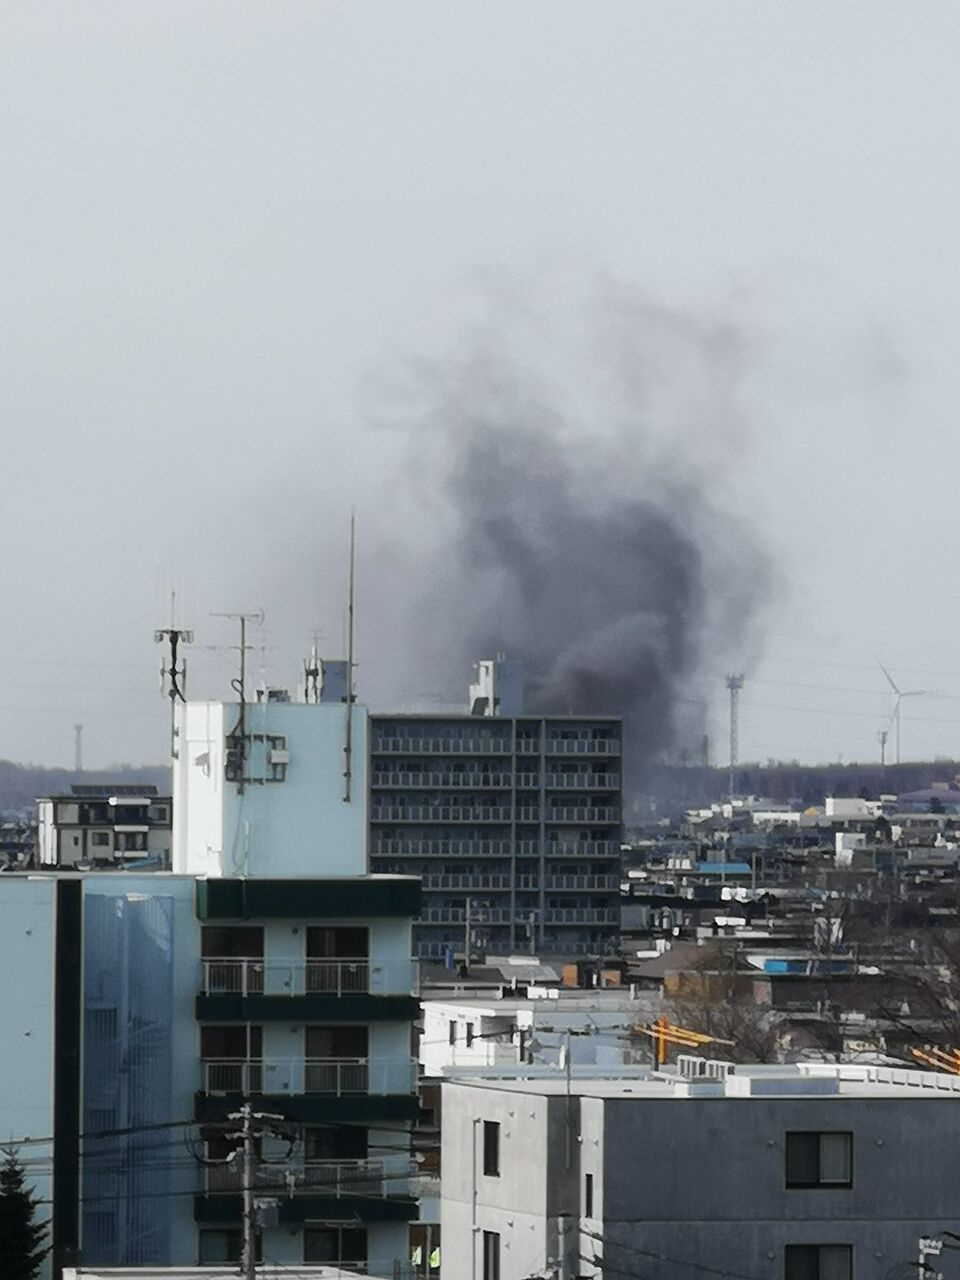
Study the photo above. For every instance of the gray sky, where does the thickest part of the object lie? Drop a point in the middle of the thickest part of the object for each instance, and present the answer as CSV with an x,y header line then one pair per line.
x,y
224,227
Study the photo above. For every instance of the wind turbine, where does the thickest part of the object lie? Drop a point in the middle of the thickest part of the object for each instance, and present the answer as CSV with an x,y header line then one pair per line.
x,y
900,694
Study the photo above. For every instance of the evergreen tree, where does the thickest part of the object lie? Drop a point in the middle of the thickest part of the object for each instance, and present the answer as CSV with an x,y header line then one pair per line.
x,y
22,1247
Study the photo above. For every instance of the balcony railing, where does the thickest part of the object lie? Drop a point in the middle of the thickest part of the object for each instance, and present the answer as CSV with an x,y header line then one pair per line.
x,y
466,881
610,884
440,813
442,746
338,1077
582,915
582,747
457,915
412,848
583,849
474,781
335,976
583,781
317,1177
578,814
528,746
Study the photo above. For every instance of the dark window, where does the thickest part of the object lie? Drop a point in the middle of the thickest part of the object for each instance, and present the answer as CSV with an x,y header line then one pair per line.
x,y
453,1031
588,1196
491,1255
329,943
491,1149
99,838
224,1244
469,1034
236,941
818,1262
243,1042
336,1142
819,1159
335,1244
337,1042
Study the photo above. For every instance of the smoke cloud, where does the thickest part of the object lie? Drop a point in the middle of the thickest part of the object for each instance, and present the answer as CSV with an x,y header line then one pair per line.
x,y
575,472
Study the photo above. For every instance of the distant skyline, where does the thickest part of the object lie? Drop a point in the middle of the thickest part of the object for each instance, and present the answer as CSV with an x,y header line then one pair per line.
x,y
231,232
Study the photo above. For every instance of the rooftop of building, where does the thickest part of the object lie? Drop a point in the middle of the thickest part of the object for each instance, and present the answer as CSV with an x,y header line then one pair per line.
x,y
694,1077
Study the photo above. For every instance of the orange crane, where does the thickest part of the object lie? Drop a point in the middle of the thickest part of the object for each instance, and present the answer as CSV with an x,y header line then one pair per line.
x,y
942,1059
664,1033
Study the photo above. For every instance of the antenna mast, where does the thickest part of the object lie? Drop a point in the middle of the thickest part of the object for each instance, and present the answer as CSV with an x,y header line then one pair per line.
x,y
348,731
78,748
734,684
174,669
237,738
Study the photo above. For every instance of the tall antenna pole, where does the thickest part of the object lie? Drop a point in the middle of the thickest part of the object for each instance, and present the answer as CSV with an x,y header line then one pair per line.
x,y
734,684
78,748
882,736
237,738
173,671
348,734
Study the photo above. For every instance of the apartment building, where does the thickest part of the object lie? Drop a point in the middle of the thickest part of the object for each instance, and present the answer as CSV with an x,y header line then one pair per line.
x,y
148,1008
796,1172
513,822
104,824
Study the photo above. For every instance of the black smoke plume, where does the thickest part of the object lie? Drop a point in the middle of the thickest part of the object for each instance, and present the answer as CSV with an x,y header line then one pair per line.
x,y
583,530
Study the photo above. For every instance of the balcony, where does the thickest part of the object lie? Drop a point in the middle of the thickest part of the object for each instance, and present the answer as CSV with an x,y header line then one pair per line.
x,y
583,781
426,848
331,1077
582,747
528,746
446,781
582,915
445,813
442,746
317,1178
528,813
457,915
578,814
599,884
584,849
349,989
466,881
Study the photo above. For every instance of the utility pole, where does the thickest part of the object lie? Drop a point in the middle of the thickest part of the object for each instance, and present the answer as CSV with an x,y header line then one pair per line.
x,y
248,1135
348,727
734,684
466,933
78,748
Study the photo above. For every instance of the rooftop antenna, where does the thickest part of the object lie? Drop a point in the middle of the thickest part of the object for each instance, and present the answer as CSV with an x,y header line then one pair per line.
x,y
311,671
173,669
900,694
237,738
348,731
734,684
78,748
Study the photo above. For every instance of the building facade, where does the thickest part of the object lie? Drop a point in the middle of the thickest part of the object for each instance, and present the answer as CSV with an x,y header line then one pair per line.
x,y
513,823
149,1008
806,1172
104,825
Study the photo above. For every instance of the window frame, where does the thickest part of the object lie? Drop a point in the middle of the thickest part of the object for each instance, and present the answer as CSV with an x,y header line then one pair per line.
x,y
588,1195
491,1148
490,1255
818,1245
821,1184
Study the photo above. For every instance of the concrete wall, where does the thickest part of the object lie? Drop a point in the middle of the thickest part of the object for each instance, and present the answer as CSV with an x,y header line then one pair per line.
x,y
299,827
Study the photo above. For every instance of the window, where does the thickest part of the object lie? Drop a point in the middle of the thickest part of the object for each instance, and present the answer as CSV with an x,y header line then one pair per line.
x,y
234,941
224,1244
335,1244
491,1149
588,1196
331,1142
99,838
469,1034
453,1031
818,1262
338,943
819,1160
491,1255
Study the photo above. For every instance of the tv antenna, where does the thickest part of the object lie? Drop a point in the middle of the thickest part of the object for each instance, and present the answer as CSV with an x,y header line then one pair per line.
x,y
348,729
173,668
237,739
899,695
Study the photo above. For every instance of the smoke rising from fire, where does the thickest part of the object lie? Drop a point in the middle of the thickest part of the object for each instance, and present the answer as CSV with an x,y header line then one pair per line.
x,y
577,473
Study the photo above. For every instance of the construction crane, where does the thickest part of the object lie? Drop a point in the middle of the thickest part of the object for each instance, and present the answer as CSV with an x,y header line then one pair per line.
x,y
664,1033
942,1059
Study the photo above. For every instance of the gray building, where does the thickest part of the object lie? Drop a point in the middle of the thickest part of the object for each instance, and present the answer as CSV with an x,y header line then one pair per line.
x,y
104,824
513,822
788,1172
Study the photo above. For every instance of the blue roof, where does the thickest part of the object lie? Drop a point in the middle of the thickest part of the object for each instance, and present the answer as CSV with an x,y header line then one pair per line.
x,y
724,868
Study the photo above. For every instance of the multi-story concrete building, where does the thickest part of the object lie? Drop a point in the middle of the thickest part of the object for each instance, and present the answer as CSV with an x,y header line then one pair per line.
x,y
512,821
805,1172
104,823
147,1008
